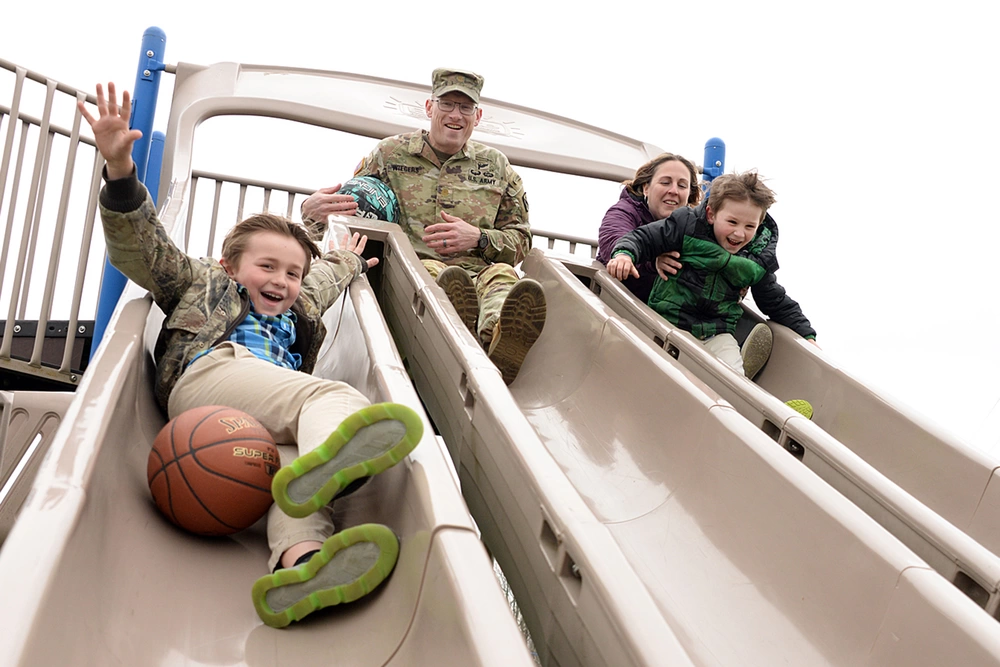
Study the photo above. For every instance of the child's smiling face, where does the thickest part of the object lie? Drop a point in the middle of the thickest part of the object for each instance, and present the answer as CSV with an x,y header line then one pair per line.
x,y
271,268
735,223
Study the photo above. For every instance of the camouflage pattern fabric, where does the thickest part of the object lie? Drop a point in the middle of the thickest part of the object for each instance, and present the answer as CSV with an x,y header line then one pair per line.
x,y
444,81
492,286
477,185
201,302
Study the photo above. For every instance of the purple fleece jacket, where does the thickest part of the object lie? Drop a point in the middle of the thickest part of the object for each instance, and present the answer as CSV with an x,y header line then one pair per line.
x,y
627,214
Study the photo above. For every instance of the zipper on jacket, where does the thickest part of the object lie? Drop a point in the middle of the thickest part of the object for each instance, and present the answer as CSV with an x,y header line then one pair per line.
x,y
232,327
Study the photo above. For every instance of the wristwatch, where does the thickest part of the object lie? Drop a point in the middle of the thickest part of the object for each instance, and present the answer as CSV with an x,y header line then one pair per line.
x,y
484,241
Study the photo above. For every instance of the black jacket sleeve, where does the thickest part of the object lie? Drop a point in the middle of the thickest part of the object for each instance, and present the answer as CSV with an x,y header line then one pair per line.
x,y
774,302
648,242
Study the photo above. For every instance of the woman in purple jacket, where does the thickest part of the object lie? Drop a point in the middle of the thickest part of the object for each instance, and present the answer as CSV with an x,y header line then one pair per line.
x,y
661,185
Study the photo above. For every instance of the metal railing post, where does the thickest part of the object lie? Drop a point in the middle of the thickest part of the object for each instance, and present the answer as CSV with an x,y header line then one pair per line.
x,y
144,94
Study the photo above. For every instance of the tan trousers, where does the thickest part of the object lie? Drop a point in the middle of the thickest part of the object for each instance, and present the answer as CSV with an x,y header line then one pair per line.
x,y
727,350
300,411
492,286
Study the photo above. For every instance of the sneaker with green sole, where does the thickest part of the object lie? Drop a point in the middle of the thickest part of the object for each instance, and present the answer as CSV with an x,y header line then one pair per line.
x,y
522,318
804,408
371,440
756,350
350,565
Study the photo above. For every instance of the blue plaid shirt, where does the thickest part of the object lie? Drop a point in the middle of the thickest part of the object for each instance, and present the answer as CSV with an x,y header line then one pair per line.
x,y
268,337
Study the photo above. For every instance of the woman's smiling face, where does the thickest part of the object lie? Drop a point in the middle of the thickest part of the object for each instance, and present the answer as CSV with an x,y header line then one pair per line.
x,y
669,189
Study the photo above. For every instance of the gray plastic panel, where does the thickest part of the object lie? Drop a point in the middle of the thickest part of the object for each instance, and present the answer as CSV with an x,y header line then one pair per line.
x,y
904,511
736,542
93,575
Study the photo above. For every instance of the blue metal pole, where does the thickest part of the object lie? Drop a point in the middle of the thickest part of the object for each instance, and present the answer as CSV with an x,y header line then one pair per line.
x,y
715,158
144,94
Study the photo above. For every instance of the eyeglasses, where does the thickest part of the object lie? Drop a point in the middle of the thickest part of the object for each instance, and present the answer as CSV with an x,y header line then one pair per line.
x,y
448,106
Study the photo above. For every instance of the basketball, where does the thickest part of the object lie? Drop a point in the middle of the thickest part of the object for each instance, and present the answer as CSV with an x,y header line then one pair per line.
x,y
210,470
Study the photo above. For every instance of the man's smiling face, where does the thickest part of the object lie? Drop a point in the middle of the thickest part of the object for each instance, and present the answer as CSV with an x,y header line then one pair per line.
x,y
450,130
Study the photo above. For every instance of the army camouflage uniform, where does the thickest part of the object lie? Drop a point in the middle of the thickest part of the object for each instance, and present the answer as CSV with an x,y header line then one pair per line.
x,y
477,185
203,305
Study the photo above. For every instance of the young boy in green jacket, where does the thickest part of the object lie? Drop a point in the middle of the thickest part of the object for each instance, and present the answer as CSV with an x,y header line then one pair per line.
x,y
245,332
727,244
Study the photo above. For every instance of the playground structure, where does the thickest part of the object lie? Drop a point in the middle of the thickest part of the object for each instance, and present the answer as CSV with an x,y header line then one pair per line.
x,y
686,517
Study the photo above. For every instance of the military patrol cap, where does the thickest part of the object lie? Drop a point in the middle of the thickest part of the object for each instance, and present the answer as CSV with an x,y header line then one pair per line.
x,y
447,80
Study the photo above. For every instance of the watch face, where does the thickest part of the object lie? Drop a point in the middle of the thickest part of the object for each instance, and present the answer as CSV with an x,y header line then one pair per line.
x,y
483,240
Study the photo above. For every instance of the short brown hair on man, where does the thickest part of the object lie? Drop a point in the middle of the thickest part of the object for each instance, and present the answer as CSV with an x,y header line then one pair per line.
x,y
644,175
235,243
745,186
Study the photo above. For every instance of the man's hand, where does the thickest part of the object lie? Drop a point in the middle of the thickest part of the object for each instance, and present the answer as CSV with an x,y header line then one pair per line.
x,y
452,236
325,201
668,264
621,267
111,132
355,244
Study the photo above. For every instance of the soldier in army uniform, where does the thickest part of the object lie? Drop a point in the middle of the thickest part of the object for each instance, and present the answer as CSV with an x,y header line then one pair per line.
x,y
464,209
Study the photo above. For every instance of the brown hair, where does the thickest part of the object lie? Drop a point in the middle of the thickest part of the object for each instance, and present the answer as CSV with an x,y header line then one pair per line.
x,y
236,240
644,175
746,186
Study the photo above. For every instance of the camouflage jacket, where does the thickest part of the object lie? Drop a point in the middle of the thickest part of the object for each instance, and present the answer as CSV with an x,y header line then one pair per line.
x,y
201,302
478,185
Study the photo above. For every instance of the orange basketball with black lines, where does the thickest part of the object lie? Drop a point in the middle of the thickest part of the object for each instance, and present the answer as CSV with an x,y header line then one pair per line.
x,y
210,470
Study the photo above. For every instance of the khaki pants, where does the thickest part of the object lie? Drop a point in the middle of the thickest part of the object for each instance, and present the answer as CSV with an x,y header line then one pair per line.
x,y
300,411
492,286
727,350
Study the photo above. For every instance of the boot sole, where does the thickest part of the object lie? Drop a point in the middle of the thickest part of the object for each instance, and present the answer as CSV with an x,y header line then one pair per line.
x,y
522,319
461,291
756,350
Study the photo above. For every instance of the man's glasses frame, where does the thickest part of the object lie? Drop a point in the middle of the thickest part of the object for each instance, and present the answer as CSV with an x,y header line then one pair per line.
x,y
448,106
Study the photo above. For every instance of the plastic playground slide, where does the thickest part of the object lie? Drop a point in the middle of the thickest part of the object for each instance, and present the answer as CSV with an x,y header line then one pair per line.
x,y
639,517
605,450
28,423
936,494
92,574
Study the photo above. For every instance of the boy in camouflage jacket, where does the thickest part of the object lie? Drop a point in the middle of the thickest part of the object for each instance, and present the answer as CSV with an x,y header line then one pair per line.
x,y
245,332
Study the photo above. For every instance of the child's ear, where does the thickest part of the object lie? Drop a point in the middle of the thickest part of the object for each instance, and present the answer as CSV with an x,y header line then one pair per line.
x,y
227,266
710,214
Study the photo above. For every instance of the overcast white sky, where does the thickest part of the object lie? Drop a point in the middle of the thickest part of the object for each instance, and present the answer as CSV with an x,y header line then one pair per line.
x,y
875,123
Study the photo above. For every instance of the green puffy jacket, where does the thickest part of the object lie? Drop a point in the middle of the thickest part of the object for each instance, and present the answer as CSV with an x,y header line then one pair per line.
x,y
704,296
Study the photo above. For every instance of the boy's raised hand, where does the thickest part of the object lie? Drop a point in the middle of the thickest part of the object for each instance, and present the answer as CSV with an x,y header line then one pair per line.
x,y
355,244
621,267
111,132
